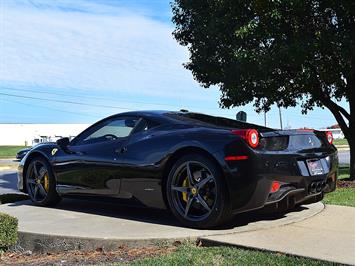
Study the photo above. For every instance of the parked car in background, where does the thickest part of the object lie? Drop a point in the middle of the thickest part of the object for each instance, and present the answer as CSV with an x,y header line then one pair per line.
x,y
21,153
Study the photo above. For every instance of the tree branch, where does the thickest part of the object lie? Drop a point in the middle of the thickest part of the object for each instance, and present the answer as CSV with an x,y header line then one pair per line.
x,y
336,106
340,119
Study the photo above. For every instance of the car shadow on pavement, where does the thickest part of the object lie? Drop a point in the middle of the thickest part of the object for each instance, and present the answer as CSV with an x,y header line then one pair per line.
x,y
149,215
246,218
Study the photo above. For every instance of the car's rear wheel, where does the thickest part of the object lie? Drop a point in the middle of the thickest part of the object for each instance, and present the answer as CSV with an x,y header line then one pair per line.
x,y
197,193
40,183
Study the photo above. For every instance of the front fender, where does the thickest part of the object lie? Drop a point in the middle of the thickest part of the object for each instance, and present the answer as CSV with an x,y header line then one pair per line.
x,y
44,151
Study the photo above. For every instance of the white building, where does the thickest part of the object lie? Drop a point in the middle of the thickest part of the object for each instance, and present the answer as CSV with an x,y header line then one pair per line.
x,y
29,134
337,132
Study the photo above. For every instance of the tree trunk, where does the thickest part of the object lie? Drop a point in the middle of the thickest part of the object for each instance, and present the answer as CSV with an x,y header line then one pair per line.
x,y
347,129
351,141
351,134
352,158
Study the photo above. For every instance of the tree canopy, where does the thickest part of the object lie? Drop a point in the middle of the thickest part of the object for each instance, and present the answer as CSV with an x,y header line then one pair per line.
x,y
274,52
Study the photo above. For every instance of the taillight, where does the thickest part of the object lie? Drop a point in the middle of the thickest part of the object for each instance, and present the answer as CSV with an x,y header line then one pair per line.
x,y
329,136
251,136
275,187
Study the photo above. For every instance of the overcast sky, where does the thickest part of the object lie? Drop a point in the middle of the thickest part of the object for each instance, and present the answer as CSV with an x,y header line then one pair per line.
x,y
78,61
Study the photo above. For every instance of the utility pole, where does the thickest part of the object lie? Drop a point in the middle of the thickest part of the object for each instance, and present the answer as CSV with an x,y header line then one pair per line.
x,y
264,118
280,117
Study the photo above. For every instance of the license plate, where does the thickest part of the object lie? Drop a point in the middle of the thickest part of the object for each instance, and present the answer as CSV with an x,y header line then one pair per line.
x,y
315,167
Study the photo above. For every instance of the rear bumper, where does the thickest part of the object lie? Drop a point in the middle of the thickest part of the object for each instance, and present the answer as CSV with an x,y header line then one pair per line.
x,y
250,181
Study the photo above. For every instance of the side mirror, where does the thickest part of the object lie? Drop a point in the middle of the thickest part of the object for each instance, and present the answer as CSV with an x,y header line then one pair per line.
x,y
63,144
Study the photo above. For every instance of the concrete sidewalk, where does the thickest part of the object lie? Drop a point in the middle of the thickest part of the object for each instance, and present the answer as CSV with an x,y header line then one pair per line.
x,y
79,224
330,236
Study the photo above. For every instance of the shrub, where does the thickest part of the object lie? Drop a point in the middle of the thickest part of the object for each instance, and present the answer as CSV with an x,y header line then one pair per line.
x,y
8,230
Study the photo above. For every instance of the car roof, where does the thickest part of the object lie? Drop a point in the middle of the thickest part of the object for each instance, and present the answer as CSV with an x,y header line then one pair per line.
x,y
173,117
147,112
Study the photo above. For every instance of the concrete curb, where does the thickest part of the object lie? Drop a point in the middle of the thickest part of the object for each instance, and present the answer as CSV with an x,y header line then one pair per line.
x,y
54,243
7,167
343,149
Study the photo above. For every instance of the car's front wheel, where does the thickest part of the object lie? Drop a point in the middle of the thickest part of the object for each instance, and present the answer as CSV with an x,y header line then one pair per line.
x,y
197,192
40,183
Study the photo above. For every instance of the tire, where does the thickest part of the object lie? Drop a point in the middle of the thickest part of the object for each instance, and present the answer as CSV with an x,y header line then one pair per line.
x,y
188,202
41,184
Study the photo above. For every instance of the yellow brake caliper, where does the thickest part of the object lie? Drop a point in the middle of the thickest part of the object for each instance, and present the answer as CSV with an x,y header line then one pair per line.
x,y
46,182
185,184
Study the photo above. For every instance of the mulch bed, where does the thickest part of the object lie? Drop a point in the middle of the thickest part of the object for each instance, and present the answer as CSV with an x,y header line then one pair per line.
x,y
344,183
98,256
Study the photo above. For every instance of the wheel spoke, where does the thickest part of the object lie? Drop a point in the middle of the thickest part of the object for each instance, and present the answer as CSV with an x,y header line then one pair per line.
x,y
42,190
35,169
42,173
31,181
203,203
180,189
189,174
35,193
188,205
203,182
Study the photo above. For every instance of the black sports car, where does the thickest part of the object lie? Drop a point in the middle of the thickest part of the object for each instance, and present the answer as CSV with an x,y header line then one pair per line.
x,y
203,168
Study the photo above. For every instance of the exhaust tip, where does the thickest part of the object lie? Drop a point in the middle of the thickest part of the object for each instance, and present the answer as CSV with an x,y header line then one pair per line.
x,y
319,187
313,187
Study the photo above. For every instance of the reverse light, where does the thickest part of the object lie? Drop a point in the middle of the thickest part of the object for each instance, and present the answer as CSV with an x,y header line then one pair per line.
x,y
251,136
329,136
275,186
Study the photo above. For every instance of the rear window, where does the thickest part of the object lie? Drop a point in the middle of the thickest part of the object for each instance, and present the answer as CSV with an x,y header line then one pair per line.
x,y
215,121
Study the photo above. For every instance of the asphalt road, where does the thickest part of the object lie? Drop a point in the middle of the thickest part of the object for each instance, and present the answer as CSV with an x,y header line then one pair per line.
x,y
8,182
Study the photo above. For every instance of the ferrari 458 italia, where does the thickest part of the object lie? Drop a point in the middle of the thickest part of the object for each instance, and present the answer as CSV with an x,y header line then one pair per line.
x,y
204,169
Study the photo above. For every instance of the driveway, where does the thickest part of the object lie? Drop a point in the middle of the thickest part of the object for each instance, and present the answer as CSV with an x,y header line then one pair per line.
x,y
330,236
82,224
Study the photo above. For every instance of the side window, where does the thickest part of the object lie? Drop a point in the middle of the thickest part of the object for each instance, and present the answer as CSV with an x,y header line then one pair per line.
x,y
111,130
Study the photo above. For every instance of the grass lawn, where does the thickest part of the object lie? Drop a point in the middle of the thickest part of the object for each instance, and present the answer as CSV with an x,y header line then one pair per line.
x,y
9,151
342,196
344,171
188,254
340,142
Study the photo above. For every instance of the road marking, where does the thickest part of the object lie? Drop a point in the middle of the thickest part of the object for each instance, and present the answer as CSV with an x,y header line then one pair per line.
x,y
4,168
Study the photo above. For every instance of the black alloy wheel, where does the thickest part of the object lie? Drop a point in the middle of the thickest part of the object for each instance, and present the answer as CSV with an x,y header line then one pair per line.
x,y
197,193
40,183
